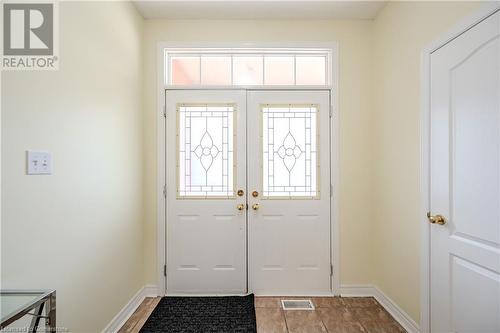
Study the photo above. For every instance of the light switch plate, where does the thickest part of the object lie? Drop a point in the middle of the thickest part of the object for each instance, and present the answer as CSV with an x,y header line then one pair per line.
x,y
39,162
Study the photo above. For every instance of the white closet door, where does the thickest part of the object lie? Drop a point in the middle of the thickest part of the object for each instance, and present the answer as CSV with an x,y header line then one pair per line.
x,y
465,182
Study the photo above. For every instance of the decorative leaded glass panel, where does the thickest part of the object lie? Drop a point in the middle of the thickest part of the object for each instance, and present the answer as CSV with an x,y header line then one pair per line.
x,y
206,161
290,152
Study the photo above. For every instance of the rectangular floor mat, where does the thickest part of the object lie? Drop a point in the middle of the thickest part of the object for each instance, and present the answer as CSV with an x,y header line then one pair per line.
x,y
226,314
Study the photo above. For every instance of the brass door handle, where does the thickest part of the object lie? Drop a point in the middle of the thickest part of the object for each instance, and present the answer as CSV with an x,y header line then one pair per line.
x,y
255,206
240,206
240,193
436,219
255,194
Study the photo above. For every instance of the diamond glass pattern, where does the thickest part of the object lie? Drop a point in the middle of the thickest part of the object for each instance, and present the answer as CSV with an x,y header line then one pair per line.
x,y
206,163
290,165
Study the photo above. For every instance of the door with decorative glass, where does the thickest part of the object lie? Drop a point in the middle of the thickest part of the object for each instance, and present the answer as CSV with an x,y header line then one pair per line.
x,y
206,188
289,192
286,204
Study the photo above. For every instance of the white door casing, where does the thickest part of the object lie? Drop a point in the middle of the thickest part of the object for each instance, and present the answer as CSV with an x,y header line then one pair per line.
x,y
163,160
465,181
289,233
206,235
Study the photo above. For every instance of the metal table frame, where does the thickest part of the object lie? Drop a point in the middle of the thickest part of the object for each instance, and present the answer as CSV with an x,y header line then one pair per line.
x,y
45,298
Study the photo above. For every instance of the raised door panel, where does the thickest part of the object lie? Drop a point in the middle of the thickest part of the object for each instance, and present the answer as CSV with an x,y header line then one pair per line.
x,y
465,181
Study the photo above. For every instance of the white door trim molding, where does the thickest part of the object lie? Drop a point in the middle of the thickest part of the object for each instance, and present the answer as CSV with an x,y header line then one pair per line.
x,y
161,144
485,11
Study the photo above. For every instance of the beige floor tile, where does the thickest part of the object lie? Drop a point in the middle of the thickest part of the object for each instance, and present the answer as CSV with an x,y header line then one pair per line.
x,y
139,313
304,322
345,327
335,314
267,302
373,313
359,302
296,297
270,320
328,302
339,320
378,327
151,306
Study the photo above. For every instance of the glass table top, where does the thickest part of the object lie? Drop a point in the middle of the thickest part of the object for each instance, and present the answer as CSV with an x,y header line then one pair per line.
x,y
13,302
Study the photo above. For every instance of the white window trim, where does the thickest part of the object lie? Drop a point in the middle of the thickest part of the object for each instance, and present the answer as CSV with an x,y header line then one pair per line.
x,y
333,66
257,52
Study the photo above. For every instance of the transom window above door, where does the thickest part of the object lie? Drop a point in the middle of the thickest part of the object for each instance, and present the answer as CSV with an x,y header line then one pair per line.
x,y
247,67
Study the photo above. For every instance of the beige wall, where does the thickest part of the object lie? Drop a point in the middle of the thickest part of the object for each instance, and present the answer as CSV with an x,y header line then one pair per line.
x,y
78,230
401,31
379,132
87,216
354,39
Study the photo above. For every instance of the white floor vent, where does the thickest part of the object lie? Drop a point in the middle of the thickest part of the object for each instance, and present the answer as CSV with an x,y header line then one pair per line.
x,y
297,304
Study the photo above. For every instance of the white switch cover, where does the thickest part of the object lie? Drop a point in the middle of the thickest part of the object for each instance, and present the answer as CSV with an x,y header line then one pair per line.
x,y
39,162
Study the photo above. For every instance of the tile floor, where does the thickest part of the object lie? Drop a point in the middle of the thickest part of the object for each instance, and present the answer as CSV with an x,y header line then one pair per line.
x,y
332,315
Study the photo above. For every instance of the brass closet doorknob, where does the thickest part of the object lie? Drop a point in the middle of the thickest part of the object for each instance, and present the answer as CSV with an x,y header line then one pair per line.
x,y
240,206
436,219
255,206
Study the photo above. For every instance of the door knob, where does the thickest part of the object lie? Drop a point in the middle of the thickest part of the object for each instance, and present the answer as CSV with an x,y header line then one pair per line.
x,y
240,193
240,206
436,219
255,206
255,194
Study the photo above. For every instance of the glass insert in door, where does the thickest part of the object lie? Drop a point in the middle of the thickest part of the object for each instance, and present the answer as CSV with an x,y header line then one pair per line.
x,y
206,152
290,151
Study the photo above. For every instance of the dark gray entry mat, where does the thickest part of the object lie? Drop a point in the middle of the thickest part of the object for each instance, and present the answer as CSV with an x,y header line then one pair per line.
x,y
225,314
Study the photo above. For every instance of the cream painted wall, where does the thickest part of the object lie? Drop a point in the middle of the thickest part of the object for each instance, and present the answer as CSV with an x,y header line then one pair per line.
x,y
379,110
401,31
79,230
88,114
354,39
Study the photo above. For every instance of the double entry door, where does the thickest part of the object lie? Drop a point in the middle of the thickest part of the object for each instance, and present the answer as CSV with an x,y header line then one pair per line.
x,y
248,192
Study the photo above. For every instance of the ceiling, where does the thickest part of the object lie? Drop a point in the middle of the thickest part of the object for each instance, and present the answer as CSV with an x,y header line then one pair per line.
x,y
258,9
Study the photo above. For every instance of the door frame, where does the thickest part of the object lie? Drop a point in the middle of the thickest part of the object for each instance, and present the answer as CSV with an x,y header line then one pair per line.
x,y
469,22
161,202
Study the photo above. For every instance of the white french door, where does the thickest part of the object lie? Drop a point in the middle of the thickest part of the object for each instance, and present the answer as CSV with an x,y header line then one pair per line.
x,y
206,166
289,192
465,182
277,196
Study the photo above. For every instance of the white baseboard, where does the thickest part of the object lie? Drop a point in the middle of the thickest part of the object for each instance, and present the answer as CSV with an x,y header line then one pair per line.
x,y
367,290
151,290
357,290
121,318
